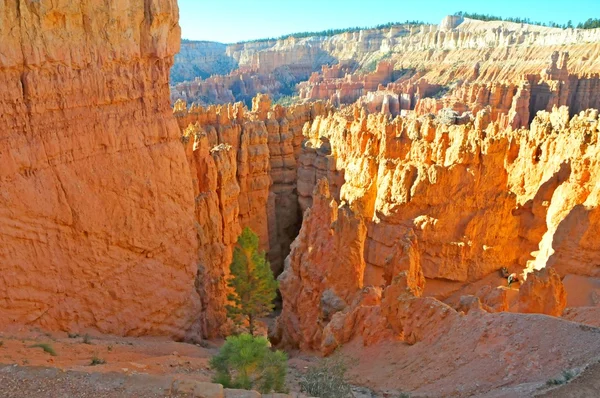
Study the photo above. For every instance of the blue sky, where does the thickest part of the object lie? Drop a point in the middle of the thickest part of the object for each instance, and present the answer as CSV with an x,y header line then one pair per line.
x,y
235,20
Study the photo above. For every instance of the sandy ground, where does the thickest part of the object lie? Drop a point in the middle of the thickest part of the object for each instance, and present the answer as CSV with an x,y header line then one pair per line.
x,y
495,355
587,385
582,291
473,360
33,382
124,355
483,355
126,362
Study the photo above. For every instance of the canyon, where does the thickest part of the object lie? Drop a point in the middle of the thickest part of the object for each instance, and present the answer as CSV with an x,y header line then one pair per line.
x,y
414,163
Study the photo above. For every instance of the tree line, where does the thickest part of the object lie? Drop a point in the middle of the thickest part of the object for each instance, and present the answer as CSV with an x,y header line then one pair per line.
x,y
333,32
591,23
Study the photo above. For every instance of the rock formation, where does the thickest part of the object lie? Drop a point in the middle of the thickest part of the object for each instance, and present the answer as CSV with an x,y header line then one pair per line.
x,y
469,41
543,293
387,210
235,86
331,85
512,104
201,59
324,270
97,222
254,155
455,202
455,52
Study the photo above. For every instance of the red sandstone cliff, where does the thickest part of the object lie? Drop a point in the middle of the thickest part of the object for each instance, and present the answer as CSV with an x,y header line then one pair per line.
x,y
96,216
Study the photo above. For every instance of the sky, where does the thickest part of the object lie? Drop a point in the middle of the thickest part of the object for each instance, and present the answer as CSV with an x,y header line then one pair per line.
x,y
229,21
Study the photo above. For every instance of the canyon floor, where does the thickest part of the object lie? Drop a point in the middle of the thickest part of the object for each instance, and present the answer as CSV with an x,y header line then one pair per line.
x,y
484,355
132,367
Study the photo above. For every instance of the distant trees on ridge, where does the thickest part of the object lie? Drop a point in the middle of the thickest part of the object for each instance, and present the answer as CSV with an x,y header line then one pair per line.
x,y
591,23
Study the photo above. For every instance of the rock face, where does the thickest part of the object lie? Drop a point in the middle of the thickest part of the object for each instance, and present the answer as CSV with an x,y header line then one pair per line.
x,y
456,50
221,89
324,270
97,222
392,171
512,104
452,203
345,88
421,68
201,59
425,45
244,167
451,22
543,293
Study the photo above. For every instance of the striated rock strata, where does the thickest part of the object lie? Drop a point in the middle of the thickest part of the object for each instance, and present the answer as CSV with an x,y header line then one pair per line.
x,y
96,205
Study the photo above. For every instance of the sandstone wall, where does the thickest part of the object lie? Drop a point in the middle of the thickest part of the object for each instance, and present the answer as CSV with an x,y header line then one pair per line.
x,y
201,59
498,47
403,163
223,89
252,157
462,201
96,215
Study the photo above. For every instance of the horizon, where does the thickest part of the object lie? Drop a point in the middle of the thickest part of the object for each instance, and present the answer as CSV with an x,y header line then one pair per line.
x,y
248,21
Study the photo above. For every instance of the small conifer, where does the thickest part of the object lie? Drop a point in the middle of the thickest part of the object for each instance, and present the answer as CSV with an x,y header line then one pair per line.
x,y
254,287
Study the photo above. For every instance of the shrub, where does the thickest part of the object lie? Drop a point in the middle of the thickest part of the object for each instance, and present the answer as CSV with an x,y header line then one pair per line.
x,y
87,339
566,376
97,361
46,347
246,362
327,380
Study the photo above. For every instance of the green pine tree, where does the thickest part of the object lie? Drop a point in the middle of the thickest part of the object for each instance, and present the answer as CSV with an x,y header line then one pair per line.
x,y
252,281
